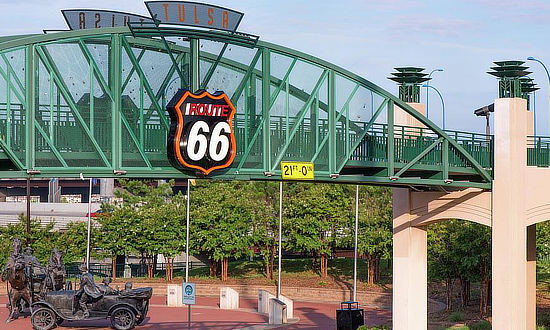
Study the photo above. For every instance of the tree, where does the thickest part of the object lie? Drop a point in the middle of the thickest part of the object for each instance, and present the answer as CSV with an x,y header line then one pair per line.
x,y
314,217
73,241
375,228
43,238
441,262
460,250
265,224
220,222
473,256
149,221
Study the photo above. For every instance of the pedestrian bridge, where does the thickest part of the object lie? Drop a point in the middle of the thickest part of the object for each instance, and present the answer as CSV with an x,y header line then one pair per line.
x,y
93,102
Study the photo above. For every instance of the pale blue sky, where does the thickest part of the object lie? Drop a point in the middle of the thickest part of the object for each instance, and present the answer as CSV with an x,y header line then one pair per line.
x,y
371,37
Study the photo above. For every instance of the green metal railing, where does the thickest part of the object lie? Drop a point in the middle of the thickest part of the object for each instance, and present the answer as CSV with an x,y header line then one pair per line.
x,y
136,269
538,151
409,142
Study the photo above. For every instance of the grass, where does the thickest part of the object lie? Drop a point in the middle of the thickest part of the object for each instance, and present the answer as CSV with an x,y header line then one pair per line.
x,y
341,267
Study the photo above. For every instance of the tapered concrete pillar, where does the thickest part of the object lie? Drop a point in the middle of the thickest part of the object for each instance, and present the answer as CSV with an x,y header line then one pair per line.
x,y
512,304
106,189
410,266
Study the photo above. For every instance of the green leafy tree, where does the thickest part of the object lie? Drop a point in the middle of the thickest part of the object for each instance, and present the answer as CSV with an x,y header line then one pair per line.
x,y
149,221
460,250
265,224
375,228
220,222
43,238
73,241
441,263
314,217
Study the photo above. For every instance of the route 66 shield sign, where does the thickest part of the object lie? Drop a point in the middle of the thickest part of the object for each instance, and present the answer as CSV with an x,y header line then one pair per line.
x,y
201,135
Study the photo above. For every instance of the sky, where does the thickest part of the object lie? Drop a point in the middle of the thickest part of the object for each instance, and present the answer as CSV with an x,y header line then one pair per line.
x,y
371,37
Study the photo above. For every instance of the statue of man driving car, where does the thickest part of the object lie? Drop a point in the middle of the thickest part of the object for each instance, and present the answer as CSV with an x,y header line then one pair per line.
x,y
87,292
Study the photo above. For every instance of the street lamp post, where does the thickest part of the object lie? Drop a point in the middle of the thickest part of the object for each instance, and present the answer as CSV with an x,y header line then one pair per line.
x,y
531,58
442,102
427,90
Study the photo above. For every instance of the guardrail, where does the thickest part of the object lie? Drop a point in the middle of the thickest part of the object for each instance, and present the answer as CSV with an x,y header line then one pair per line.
x,y
137,270
538,151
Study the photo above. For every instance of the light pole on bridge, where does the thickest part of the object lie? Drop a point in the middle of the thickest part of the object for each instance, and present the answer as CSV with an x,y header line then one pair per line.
x,y
531,58
427,90
442,102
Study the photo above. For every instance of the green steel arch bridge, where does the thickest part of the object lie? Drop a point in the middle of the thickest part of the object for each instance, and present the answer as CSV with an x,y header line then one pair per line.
x,y
93,102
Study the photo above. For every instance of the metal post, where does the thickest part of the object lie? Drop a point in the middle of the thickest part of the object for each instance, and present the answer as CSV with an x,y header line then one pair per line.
x,y
280,236
355,244
428,92
530,58
28,211
442,102
195,70
187,233
89,226
189,317
187,250
535,113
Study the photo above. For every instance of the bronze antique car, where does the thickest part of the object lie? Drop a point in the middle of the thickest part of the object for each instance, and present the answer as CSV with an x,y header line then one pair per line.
x,y
126,308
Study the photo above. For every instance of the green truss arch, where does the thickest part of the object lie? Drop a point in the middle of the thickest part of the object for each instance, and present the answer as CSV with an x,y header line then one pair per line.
x,y
93,102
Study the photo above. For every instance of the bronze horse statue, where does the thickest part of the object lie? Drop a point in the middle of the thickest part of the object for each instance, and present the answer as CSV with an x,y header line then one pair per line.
x,y
15,272
55,272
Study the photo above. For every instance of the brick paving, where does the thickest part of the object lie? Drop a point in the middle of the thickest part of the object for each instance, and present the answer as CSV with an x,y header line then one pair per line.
x,y
207,315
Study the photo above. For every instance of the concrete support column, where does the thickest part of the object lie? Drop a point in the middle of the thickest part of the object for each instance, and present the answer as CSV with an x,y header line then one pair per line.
x,y
106,188
54,191
512,305
410,267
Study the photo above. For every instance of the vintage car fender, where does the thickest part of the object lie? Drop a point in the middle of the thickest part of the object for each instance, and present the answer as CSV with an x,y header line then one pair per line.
x,y
43,303
132,308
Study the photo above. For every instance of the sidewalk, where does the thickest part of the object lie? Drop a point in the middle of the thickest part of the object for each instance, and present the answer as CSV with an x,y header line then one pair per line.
x,y
207,315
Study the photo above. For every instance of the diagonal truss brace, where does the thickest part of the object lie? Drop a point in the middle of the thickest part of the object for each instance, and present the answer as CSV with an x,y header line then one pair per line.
x,y
420,156
68,98
300,118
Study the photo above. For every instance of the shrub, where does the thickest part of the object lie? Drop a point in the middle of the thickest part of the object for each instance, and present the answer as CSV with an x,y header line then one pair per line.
x,y
481,325
456,317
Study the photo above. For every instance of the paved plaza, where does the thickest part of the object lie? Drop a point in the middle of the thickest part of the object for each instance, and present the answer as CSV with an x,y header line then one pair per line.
x,y
207,315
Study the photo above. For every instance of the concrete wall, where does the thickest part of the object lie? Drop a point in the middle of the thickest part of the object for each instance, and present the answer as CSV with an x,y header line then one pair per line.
x,y
60,213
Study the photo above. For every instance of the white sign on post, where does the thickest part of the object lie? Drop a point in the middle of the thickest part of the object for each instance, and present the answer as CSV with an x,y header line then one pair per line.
x,y
188,297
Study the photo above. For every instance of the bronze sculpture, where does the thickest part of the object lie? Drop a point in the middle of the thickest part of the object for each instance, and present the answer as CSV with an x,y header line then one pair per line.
x,y
42,290
16,275
55,272
87,292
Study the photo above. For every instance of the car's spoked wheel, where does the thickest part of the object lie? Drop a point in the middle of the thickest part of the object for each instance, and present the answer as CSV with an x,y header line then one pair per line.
x,y
43,319
123,318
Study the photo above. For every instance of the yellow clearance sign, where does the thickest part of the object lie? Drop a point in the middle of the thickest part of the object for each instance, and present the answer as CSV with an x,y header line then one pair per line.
x,y
297,171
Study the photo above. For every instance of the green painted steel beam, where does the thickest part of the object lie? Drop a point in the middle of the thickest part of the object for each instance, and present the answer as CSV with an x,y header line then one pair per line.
x,y
146,84
51,67
300,117
419,157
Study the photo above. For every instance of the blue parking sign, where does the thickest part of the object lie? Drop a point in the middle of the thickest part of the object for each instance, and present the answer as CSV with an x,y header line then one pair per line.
x,y
188,296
